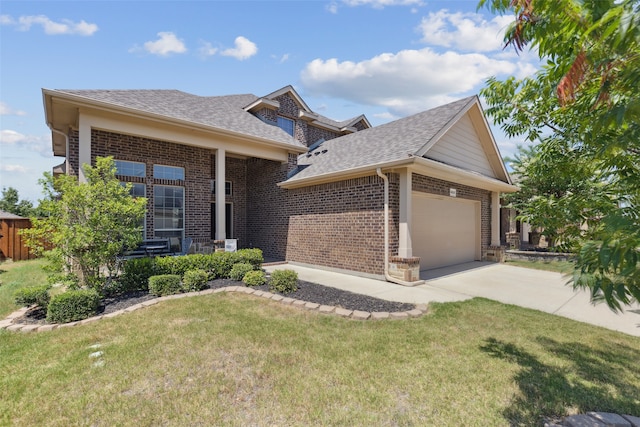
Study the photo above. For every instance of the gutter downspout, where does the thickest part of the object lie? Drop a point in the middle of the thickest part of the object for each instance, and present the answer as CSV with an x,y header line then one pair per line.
x,y
386,234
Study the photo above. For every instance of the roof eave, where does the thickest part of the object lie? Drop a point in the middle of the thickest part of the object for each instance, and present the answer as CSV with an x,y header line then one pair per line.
x,y
420,165
106,106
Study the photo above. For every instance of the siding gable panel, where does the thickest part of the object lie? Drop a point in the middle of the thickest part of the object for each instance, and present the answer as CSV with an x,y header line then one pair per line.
x,y
460,146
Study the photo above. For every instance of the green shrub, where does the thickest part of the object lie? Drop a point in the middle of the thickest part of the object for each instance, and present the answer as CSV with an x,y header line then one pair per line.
x,y
283,281
164,284
134,277
223,262
38,295
251,256
73,305
217,264
194,280
254,278
181,264
239,270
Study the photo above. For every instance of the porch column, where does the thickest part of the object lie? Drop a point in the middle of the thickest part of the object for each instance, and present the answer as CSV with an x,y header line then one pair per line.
x,y
84,148
405,249
221,233
495,218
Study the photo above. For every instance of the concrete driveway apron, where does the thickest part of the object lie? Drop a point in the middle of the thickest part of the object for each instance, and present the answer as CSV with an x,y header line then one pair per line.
x,y
540,290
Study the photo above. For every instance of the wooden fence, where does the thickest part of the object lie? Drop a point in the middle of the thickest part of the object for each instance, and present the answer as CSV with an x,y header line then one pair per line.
x,y
11,242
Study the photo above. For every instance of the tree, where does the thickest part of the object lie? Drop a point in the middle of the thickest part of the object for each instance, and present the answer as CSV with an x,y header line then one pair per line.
x,y
560,193
10,202
583,105
87,224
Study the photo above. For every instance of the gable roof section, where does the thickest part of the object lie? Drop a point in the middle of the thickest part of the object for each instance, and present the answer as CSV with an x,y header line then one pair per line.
x,y
305,112
216,112
394,143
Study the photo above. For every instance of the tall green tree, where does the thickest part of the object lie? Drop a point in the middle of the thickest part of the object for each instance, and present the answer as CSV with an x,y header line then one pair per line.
x,y
583,104
10,202
87,224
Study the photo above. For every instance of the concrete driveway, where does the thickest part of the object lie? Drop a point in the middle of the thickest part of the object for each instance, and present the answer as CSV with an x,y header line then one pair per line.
x,y
540,290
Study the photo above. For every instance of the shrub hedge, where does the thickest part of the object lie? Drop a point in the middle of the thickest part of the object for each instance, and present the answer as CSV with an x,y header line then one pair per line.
x,y
239,270
254,278
217,264
164,284
73,305
135,276
38,295
283,281
194,280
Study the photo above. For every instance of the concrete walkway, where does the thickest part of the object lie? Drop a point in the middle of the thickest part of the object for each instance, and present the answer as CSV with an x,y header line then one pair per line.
x,y
540,290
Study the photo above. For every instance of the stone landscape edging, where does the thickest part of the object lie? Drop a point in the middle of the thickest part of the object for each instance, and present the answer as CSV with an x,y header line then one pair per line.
x,y
10,322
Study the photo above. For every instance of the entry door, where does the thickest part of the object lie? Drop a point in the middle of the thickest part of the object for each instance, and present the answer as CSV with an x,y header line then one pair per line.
x,y
445,230
228,213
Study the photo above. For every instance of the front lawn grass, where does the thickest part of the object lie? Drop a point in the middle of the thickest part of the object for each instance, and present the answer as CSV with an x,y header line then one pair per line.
x,y
237,360
18,275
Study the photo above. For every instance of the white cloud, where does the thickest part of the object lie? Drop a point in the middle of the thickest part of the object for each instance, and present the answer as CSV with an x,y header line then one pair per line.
x,y
207,49
65,26
166,44
334,5
244,48
13,168
41,145
5,110
464,31
406,82
379,4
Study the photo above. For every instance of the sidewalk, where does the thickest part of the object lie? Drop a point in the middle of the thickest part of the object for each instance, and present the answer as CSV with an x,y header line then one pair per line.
x,y
540,290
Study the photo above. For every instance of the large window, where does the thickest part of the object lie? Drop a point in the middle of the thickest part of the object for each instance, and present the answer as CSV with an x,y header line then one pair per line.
x,y
286,125
124,168
168,172
168,211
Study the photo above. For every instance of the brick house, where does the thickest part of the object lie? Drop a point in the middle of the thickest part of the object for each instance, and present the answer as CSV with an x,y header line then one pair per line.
x,y
275,175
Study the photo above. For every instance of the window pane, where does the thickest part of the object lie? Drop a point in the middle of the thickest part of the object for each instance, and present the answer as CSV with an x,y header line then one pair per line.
x,y
168,172
286,125
125,168
168,216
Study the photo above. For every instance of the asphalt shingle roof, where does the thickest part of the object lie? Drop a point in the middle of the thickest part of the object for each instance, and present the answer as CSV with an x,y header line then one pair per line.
x,y
392,141
9,215
222,112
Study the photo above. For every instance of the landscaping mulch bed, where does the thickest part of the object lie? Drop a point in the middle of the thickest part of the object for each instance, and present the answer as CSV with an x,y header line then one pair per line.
x,y
307,291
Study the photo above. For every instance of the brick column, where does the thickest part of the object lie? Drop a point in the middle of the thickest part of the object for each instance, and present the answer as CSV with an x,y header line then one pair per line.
x,y
84,147
221,232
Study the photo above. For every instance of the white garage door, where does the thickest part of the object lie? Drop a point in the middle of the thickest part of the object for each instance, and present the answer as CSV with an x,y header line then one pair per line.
x,y
445,230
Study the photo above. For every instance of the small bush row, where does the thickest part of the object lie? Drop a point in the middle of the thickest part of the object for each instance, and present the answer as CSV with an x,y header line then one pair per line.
x,y
73,305
36,295
137,271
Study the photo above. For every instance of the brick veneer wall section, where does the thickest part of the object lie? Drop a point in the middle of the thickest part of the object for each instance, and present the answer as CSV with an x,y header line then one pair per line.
x,y
267,207
341,224
73,156
195,161
427,184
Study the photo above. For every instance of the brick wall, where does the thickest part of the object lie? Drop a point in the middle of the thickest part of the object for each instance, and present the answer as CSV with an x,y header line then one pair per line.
x,y
195,161
427,184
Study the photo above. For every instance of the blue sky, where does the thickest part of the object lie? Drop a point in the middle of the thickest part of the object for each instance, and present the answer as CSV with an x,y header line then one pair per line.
x,y
383,58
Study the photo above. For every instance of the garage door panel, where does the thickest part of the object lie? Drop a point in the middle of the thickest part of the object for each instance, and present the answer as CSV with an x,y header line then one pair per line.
x,y
445,231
